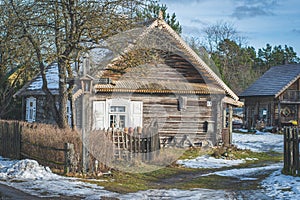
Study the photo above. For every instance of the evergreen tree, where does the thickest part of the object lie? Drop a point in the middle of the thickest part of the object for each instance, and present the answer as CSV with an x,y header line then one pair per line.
x,y
152,12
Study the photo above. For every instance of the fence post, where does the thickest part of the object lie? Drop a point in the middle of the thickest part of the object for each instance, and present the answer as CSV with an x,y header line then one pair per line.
x,y
291,151
296,151
285,147
6,140
69,157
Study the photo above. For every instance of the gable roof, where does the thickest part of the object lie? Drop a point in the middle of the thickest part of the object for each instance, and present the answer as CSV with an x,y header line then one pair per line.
x,y
159,35
34,87
273,82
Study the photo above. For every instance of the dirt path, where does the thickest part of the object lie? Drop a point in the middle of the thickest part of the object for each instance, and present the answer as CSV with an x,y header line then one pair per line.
x,y
7,193
202,179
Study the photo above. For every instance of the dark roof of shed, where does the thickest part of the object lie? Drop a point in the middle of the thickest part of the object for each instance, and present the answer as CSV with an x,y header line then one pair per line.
x,y
274,81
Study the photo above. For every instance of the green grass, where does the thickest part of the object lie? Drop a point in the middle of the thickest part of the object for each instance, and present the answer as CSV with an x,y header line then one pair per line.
x,y
194,152
175,176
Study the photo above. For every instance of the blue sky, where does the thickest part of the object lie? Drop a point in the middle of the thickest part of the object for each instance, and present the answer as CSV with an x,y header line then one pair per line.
x,y
276,22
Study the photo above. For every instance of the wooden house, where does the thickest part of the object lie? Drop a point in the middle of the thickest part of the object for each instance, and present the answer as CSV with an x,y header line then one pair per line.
x,y
274,99
143,76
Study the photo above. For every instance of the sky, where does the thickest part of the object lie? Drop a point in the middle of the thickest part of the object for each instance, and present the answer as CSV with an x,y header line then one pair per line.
x,y
276,22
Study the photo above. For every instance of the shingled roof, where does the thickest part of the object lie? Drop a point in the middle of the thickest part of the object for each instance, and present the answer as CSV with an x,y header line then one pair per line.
x,y
160,36
272,83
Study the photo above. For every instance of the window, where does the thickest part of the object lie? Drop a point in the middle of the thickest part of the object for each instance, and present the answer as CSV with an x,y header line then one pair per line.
x,y
117,113
117,117
30,109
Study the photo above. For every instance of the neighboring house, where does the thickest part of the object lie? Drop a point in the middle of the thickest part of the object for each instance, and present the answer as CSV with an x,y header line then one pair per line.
x,y
34,101
143,76
273,100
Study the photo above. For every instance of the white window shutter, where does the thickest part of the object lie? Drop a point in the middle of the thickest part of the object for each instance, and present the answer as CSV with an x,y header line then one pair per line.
x,y
136,114
99,115
34,110
30,109
27,109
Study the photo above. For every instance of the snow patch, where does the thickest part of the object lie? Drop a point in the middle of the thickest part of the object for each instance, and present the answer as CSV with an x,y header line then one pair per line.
x,y
207,161
279,186
259,142
245,173
27,169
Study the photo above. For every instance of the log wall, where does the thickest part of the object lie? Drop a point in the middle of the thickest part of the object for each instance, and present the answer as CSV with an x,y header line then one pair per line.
x,y
162,108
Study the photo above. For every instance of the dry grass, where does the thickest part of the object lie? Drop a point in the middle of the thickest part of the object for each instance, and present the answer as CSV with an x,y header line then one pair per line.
x,y
38,141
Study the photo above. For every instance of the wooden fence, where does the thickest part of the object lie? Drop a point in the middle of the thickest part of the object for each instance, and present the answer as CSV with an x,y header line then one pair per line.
x,y
124,144
68,154
291,151
14,147
10,139
133,143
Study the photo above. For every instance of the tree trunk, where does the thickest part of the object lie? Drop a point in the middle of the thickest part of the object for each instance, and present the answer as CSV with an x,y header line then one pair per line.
x,y
62,120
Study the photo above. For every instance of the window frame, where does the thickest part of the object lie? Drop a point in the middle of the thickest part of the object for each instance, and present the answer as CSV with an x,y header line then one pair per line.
x,y
30,111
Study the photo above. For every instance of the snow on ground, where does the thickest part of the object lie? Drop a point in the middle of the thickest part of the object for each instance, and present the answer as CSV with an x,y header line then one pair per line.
x,y
245,173
207,161
194,194
279,186
259,141
29,176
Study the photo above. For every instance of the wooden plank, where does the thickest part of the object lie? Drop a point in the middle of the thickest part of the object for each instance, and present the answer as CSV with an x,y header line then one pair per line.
x,y
285,147
296,151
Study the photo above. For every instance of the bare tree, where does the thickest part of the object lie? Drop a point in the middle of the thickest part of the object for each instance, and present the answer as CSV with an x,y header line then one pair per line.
x,y
217,33
57,29
15,59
